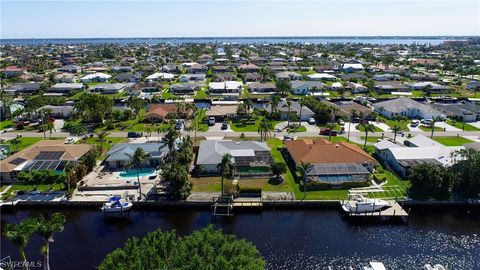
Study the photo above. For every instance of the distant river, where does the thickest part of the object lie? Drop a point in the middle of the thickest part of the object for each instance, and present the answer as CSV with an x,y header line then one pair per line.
x,y
288,239
235,40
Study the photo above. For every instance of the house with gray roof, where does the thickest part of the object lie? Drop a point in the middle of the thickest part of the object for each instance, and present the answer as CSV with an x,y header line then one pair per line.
x,y
251,158
406,107
120,155
305,87
282,108
22,88
467,111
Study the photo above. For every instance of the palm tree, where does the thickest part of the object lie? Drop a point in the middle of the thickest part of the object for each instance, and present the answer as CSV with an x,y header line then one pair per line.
x,y
396,129
367,128
158,130
137,160
171,136
264,128
46,228
15,142
274,103
435,120
102,139
330,126
226,166
302,167
20,235
248,104
288,104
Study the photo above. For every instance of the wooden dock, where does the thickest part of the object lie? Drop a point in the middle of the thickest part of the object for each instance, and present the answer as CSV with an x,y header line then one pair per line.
x,y
225,205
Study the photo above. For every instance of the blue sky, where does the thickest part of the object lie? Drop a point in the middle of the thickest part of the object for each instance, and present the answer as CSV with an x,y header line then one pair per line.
x,y
110,18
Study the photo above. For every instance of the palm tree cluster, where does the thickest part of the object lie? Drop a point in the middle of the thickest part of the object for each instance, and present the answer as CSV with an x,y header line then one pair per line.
x,y
44,226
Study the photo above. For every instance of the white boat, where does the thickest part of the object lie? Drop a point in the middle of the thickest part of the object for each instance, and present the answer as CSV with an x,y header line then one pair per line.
x,y
359,204
435,267
116,205
375,266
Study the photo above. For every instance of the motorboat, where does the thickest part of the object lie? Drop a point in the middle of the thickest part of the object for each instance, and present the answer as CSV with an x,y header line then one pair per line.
x,y
435,267
375,266
359,204
116,205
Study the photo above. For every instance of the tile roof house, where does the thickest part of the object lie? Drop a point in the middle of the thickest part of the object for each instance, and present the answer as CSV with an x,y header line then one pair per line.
x,y
220,112
333,163
248,68
12,71
251,158
157,112
44,155
406,107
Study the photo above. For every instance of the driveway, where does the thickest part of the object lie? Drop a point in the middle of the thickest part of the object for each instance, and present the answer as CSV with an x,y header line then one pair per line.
x,y
475,124
351,127
218,128
380,125
58,124
311,128
446,126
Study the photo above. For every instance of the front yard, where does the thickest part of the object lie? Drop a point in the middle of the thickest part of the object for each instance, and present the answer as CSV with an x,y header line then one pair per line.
x,y
461,125
452,140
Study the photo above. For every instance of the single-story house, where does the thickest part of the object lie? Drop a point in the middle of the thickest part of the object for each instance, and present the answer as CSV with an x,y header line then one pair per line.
x,y
472,85
253,77
248,68
184,88
251,158
128,77
321,77
160,76
467,111
51,155
197,68
391,86
288,75
422,150
262,88
331,162
282,108
60,111
12,71
121,69
120,155
70,69
192,77
65,78
352,67
157,112
95,77
434,88
65,88
386,77
305,87
346,108
22,88
406,107
228,88
221,112
108,88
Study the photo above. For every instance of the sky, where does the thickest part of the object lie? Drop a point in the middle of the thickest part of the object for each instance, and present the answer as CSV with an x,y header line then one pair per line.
x,y
227,18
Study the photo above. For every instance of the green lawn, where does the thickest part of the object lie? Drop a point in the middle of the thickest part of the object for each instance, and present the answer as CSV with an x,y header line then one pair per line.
x,y
362,129
200,122
425,128
6,124
26,142
452,140
110,142
460,125
201,94
238,127
297,129
403,123
213,184
372,139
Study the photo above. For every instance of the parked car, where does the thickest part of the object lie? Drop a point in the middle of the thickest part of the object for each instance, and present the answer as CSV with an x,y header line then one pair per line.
x,y
179,125
211,121
341,122
328,132
311,121
415,123
224,125
134,134
427,122
288,138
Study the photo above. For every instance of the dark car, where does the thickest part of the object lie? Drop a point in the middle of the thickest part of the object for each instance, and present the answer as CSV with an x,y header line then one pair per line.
x,y
328,132
224,125
134,134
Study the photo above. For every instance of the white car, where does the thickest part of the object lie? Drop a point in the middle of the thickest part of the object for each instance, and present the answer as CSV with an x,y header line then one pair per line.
x,y
311,121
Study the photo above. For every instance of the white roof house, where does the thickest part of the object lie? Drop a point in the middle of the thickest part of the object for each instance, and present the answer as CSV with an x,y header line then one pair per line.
x,y
321,76
352,67
422,150
95,77
160,76
225,88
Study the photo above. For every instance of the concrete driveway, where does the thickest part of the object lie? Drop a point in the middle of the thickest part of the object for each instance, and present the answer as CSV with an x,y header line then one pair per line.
x,y
218,128
58,124
446,126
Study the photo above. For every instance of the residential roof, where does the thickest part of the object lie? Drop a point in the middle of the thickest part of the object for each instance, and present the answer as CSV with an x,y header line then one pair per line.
x,y
161,109
69,152
222,110
323,151
403,104
294,107
212,151
309,84
125,151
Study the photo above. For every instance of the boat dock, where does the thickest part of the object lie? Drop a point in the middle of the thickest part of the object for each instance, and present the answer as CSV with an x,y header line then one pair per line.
x,y
225,205
394,211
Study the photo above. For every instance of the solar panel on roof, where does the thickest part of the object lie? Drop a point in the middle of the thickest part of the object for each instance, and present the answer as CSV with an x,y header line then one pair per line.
x,y
17,161
49,155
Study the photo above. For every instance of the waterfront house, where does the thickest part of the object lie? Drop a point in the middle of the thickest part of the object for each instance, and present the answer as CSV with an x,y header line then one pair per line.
x,y
418,150
390,86
157,112
331,162
120,155
228,88
222,112
184,88
51,155
251,158
282,108
191,77
108,88
321,77
406,107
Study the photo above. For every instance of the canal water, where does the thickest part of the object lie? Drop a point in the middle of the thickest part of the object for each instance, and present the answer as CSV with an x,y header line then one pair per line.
x,y
288,239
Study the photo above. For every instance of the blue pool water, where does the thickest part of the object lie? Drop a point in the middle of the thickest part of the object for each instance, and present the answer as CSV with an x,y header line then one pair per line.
x,y
141,172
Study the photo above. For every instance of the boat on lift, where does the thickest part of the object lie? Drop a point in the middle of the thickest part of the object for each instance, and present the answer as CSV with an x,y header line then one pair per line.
x,y
435,267
357,203
116,205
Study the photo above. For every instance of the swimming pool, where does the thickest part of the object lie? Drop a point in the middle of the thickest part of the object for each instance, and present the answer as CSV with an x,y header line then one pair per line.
x,y
142,172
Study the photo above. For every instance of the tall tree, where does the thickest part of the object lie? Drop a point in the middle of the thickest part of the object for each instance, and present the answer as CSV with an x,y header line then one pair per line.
x,y
226,166
288,105
46,228
20,236
396,129
102,139
330,126
430,181
137,161
264,128
367,128
302,168
435,120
